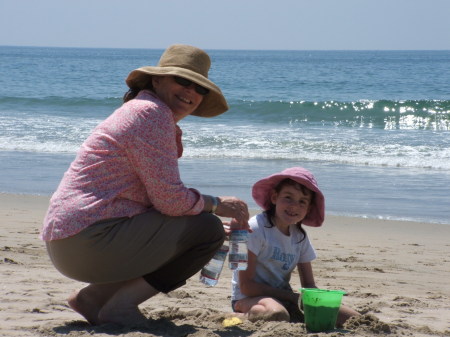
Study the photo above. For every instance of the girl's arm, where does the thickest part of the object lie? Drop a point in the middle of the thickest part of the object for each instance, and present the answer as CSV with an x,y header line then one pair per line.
x,y
306,275
251,288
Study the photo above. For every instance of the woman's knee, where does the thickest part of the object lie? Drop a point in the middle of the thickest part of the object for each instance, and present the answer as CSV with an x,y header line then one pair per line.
x,y
209,225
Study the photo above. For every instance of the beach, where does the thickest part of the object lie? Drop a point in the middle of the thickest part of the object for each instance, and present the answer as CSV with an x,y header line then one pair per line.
x,y
394,272
372,126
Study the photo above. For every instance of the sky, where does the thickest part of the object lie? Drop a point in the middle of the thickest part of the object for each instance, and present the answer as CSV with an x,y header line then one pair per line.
x,y
228,24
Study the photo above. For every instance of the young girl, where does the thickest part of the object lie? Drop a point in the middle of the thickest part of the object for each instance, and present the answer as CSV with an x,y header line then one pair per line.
x,y
277,244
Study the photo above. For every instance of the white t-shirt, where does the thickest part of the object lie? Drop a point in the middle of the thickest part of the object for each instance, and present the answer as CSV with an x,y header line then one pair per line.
x,y
277,254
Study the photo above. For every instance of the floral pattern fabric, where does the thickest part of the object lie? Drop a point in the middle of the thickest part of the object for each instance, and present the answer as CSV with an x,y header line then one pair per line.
x,y
128,165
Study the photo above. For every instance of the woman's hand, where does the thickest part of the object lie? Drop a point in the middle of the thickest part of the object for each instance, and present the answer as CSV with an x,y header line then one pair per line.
x,y
232,207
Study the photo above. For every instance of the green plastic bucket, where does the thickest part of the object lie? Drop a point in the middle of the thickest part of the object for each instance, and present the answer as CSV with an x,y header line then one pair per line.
x,y
321,308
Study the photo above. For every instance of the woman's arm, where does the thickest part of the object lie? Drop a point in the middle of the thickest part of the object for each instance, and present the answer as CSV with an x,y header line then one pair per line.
x,y
153,148
251,288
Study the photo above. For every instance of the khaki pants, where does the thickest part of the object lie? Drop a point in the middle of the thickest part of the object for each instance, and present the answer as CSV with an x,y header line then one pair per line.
x,y
164,250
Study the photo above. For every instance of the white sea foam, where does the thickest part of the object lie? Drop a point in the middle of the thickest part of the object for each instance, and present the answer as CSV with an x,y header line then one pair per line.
x,y
307,143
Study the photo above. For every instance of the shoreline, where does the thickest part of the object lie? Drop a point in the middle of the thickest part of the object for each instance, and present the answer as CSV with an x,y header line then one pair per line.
x,y
7,198
394,273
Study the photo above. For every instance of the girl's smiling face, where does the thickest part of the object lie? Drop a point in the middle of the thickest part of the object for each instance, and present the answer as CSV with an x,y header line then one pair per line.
x,y
292,204
181,100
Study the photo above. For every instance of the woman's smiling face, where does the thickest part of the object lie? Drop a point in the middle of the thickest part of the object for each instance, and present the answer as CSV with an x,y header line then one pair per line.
x,y
181,100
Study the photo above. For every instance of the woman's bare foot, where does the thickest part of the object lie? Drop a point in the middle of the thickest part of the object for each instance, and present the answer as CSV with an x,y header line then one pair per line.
x,y
113,302
85,306
122,307
123,315
89,300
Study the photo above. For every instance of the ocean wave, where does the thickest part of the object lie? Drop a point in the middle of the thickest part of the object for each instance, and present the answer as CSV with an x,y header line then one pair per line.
x,y
356,160
29,145
379,159
358,146
57,105
385,114
325,151
388,114
410,133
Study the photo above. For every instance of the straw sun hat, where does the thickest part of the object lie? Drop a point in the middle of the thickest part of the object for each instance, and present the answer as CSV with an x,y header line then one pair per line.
x,y
263,188
188,62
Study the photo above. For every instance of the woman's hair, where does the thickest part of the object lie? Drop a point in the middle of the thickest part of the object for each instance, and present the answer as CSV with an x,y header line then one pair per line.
x,y
132,93
271,211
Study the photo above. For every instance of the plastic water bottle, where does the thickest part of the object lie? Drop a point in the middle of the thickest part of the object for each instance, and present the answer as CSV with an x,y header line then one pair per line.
x,y
238,257
211,271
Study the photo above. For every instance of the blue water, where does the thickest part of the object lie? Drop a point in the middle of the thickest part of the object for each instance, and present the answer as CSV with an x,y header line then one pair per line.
x,y
373,126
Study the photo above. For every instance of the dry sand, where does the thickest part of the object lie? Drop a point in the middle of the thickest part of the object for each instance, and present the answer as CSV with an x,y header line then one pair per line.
x,y
395,273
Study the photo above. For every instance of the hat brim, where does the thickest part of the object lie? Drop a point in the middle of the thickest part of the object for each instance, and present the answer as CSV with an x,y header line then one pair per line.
x,y
213,104
263,188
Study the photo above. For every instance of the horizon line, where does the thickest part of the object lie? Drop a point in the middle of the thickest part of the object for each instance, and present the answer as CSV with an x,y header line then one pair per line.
x,y
221,49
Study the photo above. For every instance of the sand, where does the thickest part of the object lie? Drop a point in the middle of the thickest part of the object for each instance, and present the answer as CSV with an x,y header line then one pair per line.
x,y
395,273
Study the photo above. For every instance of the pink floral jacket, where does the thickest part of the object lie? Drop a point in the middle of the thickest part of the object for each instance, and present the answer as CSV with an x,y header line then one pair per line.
x,y
128,165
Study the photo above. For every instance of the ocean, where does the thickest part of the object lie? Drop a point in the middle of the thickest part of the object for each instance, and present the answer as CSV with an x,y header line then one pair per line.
x,y
373,126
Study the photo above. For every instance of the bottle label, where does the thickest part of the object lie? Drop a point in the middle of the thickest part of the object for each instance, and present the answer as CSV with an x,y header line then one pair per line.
x,y
239,235
221,254
214,275
238,257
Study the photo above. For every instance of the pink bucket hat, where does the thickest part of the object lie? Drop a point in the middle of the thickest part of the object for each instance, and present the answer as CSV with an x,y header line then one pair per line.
x,y
262,190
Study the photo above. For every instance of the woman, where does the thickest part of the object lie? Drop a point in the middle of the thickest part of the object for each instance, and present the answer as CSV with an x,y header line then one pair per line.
x,y
121,218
